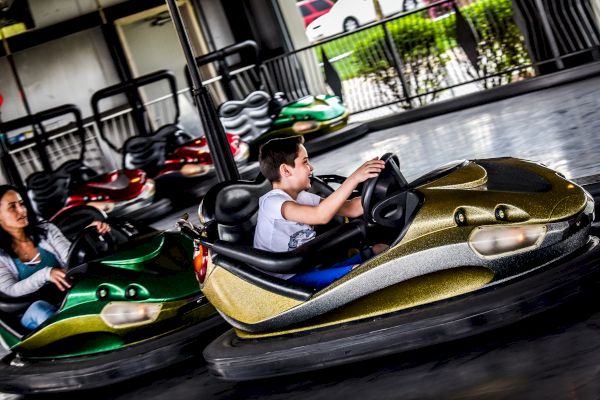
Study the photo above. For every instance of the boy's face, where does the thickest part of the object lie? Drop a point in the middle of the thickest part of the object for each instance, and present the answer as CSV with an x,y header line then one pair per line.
x,y
299,175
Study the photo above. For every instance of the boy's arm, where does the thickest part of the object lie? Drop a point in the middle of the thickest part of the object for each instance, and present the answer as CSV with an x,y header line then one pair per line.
x,y
351,208
330,206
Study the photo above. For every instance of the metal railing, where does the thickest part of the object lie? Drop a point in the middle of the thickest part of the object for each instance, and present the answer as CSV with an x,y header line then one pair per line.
x,y
64,143
439,51
442,50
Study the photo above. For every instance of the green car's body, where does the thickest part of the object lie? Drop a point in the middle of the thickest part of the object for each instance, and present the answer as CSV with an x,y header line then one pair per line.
x,y
322,120
326,113
121,305
456,236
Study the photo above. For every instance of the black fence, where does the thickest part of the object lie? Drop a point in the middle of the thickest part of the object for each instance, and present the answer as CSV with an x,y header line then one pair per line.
x,y
442,50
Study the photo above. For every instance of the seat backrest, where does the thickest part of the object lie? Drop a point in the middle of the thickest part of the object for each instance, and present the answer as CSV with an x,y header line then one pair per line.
x,y
173,135
145,153
48,192
248,118
233,206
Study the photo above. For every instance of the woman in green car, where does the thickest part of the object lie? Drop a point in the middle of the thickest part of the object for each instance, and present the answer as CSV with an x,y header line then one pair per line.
x,y
32,253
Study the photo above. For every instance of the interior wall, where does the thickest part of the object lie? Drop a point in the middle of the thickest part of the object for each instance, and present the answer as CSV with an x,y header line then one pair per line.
x,y
12,106
67,70
217,23
50,12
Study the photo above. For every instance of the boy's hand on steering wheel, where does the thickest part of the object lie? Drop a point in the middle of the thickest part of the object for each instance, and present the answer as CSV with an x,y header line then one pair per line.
x,y
58,277
368,170
101,227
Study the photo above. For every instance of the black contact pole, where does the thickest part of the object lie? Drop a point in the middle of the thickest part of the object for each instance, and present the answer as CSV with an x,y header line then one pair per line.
x,y
8,164
215,134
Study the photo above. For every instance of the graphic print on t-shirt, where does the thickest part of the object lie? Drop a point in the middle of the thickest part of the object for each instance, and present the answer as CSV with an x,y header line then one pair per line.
x,y
301,237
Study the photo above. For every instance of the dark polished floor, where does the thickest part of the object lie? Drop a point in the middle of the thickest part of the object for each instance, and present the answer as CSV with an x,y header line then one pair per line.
x,y
554,356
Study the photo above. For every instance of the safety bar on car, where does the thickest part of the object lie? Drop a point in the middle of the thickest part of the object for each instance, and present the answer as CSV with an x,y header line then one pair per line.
x,y
131,87
41,137
221,54
223,69
266,281
306,256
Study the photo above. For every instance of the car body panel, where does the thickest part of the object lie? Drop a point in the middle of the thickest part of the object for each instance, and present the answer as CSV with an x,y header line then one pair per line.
x,y
362,11
433,244
313,9
154,269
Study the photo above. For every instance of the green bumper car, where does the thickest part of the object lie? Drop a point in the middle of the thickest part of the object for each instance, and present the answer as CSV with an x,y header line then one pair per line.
x,y
133,310
322,120
473,246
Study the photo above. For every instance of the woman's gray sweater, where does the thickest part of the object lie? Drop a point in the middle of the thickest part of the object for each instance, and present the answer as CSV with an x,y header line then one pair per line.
x,y
10,285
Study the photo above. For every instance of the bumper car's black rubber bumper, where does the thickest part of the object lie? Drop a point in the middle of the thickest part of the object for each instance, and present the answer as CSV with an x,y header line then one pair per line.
x,y
592,185
182,189
321,143
147,213
88,372
504,303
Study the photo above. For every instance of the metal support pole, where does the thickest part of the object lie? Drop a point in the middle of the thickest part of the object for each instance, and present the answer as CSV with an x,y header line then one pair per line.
x,y
548,30
8,165
397,62
215,134
13,68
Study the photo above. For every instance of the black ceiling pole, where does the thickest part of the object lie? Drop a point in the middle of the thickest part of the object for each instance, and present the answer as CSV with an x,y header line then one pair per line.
x,y
215,134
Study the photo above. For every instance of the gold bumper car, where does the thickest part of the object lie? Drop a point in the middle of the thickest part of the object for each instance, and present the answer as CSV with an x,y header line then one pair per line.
x,y
474,245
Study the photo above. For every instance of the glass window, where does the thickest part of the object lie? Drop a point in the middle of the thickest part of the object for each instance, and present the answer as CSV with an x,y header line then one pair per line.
x,y
305,11
321,5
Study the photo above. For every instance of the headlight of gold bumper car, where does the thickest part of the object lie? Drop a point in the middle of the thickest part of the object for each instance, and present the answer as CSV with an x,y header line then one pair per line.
x,y
493,241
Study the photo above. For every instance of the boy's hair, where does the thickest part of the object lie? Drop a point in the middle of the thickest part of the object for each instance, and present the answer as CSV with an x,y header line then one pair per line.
x,y
276,152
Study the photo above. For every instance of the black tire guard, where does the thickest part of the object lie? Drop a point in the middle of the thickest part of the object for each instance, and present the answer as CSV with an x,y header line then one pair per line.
x,y
504,303
89,372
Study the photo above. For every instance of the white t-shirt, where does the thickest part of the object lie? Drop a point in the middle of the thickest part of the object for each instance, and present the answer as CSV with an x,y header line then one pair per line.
x,y
275,233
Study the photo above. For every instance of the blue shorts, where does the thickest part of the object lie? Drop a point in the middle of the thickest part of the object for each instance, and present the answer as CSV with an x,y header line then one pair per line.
x,y
37,313
323,277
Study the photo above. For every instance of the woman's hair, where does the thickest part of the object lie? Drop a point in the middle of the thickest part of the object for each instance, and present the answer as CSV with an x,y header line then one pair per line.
x,y
33,230
276,152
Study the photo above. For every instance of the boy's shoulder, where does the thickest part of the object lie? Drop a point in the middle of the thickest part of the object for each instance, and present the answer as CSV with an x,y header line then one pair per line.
x,y
275,193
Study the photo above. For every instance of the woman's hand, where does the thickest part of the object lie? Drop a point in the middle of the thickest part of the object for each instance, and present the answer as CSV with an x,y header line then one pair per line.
x,y
58,277
101,227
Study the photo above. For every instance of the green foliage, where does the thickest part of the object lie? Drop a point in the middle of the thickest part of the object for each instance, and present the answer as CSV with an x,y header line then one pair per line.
x,y
425,46
500,46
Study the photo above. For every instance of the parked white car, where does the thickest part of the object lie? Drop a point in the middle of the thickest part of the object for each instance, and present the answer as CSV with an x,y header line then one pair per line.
x,y
347,15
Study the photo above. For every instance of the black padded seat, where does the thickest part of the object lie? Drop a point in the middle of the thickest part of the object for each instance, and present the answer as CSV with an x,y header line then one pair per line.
x,y
145,153
76,170
174,135
323,250
13,305
234,208
48,192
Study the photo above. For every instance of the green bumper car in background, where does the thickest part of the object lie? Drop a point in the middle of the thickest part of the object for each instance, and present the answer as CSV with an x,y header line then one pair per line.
x,y
257,111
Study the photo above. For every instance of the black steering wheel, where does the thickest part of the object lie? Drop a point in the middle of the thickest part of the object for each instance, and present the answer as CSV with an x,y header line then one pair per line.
x,y
379,206
88,245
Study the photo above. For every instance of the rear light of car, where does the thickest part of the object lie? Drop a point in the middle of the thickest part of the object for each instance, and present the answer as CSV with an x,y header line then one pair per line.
x,y
200,262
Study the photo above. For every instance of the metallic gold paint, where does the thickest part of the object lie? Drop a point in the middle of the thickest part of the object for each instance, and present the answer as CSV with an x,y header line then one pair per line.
x,y
411,293
433,226
241,300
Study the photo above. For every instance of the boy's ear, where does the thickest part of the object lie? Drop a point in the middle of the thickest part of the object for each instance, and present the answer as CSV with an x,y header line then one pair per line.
x,y
284,170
